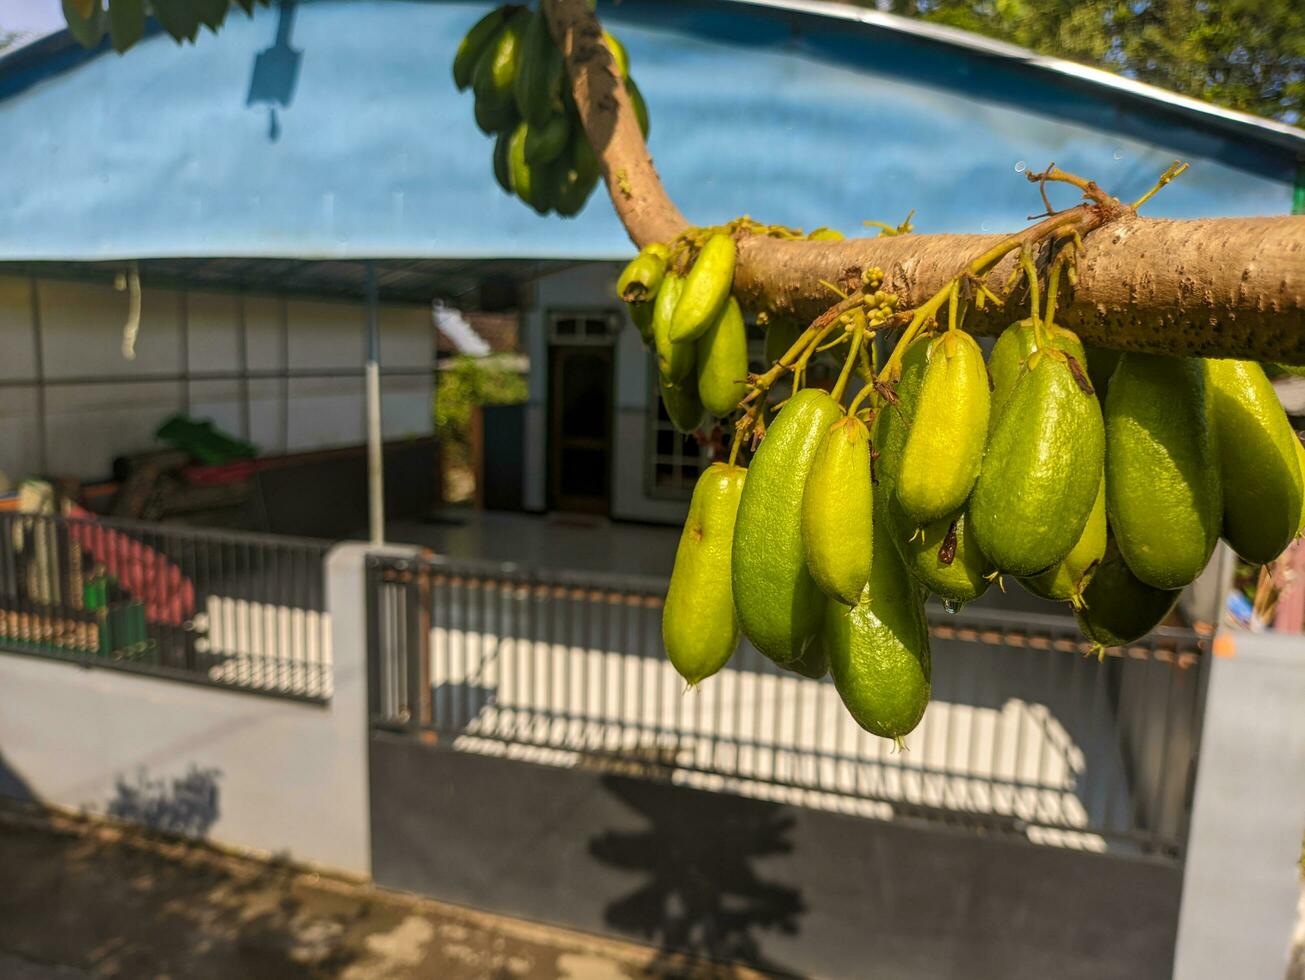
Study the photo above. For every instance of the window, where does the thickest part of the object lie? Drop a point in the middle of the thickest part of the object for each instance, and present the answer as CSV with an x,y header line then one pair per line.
x,y
676,459
582,328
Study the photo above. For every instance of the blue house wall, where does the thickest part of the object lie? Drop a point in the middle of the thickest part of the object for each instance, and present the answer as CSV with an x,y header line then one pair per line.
x,y
792,116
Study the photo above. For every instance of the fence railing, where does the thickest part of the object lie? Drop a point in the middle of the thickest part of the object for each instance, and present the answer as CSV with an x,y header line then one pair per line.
x,y
1024,734
236,610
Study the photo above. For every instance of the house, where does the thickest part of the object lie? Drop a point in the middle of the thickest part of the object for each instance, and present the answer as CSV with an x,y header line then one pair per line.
x,y
249,200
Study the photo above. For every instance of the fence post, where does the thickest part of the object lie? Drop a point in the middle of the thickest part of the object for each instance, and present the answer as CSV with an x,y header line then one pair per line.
x,y
348,591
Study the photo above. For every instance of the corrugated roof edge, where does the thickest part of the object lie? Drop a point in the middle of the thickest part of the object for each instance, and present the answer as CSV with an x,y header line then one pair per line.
x,y
1280,133
30,55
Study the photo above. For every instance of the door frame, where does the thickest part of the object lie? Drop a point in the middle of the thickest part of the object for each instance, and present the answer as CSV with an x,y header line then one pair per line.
x,y
555,500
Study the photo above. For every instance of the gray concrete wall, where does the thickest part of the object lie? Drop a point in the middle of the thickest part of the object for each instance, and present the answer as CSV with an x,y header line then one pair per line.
x,y
279,777
1242,884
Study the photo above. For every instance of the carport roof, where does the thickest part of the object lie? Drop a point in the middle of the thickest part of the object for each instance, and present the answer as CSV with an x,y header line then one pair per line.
x,y
417,281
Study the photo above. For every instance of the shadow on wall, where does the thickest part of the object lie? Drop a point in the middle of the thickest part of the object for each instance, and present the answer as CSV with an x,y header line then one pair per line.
x,y
12,785
701,894
186,805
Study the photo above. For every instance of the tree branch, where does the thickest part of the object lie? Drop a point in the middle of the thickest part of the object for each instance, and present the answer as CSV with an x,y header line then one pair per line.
x,y
1215,286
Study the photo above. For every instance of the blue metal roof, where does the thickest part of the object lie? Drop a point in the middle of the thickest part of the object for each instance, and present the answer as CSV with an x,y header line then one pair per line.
x,y
798,113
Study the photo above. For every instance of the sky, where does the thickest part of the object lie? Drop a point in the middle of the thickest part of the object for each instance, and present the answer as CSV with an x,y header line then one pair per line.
x,y
30,17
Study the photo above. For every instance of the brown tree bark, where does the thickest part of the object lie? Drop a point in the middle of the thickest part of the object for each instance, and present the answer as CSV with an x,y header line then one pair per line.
x,y
1212,287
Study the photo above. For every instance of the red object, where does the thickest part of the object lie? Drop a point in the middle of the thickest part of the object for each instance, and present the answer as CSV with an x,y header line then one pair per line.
x,y
1290,611
222,473
167,595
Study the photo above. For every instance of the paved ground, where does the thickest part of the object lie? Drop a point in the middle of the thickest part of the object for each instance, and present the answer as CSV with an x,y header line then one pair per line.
x,y
84,900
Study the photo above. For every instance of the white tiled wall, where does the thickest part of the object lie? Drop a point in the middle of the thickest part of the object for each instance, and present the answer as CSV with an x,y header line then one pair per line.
x,y
89,424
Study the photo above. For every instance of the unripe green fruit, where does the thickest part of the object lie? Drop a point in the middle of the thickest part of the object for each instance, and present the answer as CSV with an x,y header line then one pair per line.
x,y
837,511
1163,492
699,626
779,604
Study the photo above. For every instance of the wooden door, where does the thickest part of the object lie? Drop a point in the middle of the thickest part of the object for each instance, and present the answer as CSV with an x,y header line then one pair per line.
x,y
580,428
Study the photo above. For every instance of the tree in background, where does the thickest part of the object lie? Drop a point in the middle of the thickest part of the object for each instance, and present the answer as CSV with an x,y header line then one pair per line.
x,y
462,386
1243,54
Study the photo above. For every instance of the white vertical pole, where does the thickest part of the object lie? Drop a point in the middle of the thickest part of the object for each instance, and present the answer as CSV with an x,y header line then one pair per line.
x,y
375,463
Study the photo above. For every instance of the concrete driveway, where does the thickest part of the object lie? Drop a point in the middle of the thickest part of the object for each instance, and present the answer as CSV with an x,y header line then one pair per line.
x,y
85,900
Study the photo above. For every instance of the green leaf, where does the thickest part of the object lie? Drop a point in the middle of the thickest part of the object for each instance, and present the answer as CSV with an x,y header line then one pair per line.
x,y
180,18
126,23
86,30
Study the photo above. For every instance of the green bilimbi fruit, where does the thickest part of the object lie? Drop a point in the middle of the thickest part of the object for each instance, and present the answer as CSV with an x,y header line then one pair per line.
x,y
837,506
705,289
1101,362
699,626
682,405
1262,490
1300,458
495,118
1042,469
1163,494
639,105
1117,607
781,334
536,87
642,277
473,45
534,184
879,649
813,663
1066,581
944,446
574,182
942,555
722,361
674,361
501,172
641,315
893,422
495,76
583,158
545,141
618,54
1012,350
780,606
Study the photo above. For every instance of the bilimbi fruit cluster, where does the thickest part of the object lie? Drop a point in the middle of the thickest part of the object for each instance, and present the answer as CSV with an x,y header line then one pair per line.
x,y
943,475
514,69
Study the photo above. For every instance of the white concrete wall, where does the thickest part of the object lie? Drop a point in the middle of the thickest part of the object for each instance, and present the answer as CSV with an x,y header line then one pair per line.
x,y
592,287
89,424
279,777
1241,884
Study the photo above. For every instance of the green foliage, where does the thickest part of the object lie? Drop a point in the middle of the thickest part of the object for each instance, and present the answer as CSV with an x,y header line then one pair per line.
x,y
125,19
1243,54
468,382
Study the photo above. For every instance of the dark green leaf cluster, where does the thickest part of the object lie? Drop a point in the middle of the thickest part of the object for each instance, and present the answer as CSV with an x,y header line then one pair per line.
x,y
1244,54
124,20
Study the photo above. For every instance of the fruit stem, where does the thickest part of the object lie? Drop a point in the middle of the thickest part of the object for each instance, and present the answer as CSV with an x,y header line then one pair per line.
x,y
1035,298
861,396
1053,287
1175,169
922,313
858,332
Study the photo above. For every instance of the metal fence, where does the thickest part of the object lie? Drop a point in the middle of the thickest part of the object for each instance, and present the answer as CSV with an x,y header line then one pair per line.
x,y
236,610
1025,733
